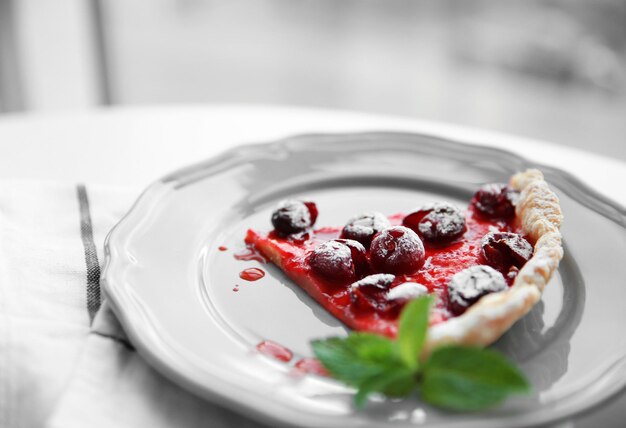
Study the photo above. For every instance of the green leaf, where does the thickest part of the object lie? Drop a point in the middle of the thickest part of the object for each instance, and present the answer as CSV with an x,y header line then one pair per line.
x,y
372,347
368,362
356,358
393,382
412,329
469,378
404,383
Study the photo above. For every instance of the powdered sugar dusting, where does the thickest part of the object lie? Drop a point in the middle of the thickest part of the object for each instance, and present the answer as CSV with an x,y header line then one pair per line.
x,y
407,243
372,220
436,222
396,244
363,227
407,291
502,250
333,260
384,279
442,222
297,212
467,286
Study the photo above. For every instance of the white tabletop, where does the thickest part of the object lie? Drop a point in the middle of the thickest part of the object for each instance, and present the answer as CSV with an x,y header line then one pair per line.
x,y
135,146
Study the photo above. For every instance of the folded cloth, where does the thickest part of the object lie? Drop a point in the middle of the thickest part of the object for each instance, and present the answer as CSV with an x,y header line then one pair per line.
x,y
64,359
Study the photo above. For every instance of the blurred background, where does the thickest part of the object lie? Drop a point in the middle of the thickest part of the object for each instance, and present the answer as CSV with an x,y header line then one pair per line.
x,y
551,69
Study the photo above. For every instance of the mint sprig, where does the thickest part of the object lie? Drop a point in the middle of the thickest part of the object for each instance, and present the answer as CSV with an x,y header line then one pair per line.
x,y
453,377
412,328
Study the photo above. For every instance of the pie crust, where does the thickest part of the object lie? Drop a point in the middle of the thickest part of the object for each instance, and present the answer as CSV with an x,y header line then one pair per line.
x,y
539,215
538,218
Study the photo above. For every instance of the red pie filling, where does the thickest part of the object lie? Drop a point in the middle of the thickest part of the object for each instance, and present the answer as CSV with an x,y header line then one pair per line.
x,y
367,294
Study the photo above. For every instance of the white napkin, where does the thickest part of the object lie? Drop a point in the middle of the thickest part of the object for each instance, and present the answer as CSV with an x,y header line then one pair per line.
x,y
64,359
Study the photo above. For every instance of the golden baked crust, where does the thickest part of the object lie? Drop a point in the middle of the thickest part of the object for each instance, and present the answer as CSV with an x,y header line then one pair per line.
x,y
539,214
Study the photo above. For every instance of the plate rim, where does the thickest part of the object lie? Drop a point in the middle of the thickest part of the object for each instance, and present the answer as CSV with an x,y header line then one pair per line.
x,y
135,326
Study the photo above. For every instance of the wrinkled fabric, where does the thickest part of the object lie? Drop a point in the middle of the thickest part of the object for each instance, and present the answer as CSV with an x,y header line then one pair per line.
x,y
64,359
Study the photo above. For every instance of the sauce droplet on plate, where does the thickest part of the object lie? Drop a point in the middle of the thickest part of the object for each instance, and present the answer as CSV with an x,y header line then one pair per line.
x,y
250,254
222,248
251,274
311,365
274,350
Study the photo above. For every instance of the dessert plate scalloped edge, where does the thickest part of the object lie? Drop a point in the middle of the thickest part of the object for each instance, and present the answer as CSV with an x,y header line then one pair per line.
x,y
151,346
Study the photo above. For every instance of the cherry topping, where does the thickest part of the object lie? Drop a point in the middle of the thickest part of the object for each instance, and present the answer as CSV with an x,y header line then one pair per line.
x,y
397,250
293,216
339,260
312,210
436,223
363,227
370,293
503,250
469,285
495,201
374,293
359,256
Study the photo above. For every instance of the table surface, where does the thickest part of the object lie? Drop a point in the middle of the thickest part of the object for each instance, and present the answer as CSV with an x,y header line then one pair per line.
x,y
134,146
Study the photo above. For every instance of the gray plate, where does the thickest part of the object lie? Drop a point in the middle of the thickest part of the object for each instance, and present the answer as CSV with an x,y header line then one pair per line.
x,y
173,289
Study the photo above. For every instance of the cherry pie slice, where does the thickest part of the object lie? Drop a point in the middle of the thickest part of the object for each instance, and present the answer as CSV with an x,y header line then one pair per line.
x,y
486,265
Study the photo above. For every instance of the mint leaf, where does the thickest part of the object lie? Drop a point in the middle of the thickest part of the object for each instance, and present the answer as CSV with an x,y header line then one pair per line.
x,y
453,377
357,357
412,330
469,378
368,362
372,347
393,382
404,383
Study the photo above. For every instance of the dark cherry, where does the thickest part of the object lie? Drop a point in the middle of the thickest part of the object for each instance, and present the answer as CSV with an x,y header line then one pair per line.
x,y
374,293
359,256
363,227
313,211
469,285
293,217
436,223
370,293
298,238
495,201
397,250
503,250
339,261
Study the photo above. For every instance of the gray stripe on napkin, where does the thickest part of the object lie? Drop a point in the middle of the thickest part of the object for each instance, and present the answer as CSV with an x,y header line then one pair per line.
x,y
91,254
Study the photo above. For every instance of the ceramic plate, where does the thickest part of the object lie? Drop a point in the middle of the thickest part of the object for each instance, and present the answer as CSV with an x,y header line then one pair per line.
x,y
184,306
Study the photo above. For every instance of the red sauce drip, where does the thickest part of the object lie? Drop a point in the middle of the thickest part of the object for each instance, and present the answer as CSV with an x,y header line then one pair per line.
x,y
326,233
222,248
396,219
274,350
236,289
250,254
441,263
311,365
251,274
